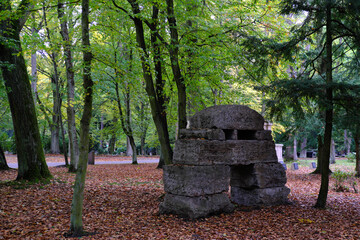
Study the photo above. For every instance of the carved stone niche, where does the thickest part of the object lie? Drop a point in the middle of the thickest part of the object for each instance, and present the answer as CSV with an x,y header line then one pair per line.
x,y
226,147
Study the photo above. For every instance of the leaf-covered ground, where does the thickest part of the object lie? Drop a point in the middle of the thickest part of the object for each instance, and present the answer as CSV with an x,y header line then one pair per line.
x,y
121,202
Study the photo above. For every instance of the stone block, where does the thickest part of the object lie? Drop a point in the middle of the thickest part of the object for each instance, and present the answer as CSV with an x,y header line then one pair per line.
x,y
196,207
196,180
230,152
259,175
263,135
258,197
209,134
228,117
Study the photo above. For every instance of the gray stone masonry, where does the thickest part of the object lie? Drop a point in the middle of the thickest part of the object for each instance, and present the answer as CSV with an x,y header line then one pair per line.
x,y
228,117
196,207
225,146
196,180
260,196
230,152
259,175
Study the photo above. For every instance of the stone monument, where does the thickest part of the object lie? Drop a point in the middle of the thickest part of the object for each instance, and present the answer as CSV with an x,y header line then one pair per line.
x,y
224,146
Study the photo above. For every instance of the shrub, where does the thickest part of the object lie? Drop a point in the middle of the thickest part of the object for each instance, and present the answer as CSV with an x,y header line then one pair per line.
x,y
340,180
351,157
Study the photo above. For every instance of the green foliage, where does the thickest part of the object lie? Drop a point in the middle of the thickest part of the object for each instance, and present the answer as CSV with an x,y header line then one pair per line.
x,y
341,178
351,157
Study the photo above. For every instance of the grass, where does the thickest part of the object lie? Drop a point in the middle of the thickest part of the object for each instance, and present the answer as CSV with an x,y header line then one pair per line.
x,y
339,163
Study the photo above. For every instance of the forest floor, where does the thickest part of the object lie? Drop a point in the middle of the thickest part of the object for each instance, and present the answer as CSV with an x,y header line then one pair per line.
x,y
122,202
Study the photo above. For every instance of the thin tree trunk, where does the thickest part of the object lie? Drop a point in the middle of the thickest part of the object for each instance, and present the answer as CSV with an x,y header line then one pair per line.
x,y
357,149
319,156
303,148
63,142
324,188
73,141
3,163
55,125
174,59
30,153
76,223
332,152
295,157
125,123
159,120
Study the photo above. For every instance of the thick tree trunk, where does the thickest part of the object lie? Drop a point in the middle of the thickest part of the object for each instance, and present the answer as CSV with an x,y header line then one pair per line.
x,y
76,223
31,158
159,120
324,188
303,148
3,163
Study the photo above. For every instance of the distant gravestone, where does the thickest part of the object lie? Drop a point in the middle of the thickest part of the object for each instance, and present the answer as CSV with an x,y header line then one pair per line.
x,y
294,166
313,165
225,146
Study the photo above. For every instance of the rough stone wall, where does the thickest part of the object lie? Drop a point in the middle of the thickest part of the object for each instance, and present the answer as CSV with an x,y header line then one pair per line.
x,y
225,146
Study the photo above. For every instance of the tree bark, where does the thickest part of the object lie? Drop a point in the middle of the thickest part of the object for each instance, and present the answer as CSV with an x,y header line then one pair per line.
x,y
332,152
159,120
295,157
3,163
55,124
324,187
73,140
303,148
76,223
357,149
175,66
31,158
125,123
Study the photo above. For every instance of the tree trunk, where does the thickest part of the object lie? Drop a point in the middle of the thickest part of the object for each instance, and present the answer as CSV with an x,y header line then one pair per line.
x,y
324,188
126,126
357,149
303,148
175,66
347,142
295,157
159,120
63,141
3,163
31,158
73,141
332,152
55,125
76,223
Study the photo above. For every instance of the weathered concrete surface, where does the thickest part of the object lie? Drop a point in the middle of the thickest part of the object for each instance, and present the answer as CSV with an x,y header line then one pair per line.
x,y
258,197
258,175
196,180
196,207
228,117
209,134
230,152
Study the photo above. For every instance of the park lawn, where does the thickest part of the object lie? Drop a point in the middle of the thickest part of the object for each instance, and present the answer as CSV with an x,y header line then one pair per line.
x,y
121,202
